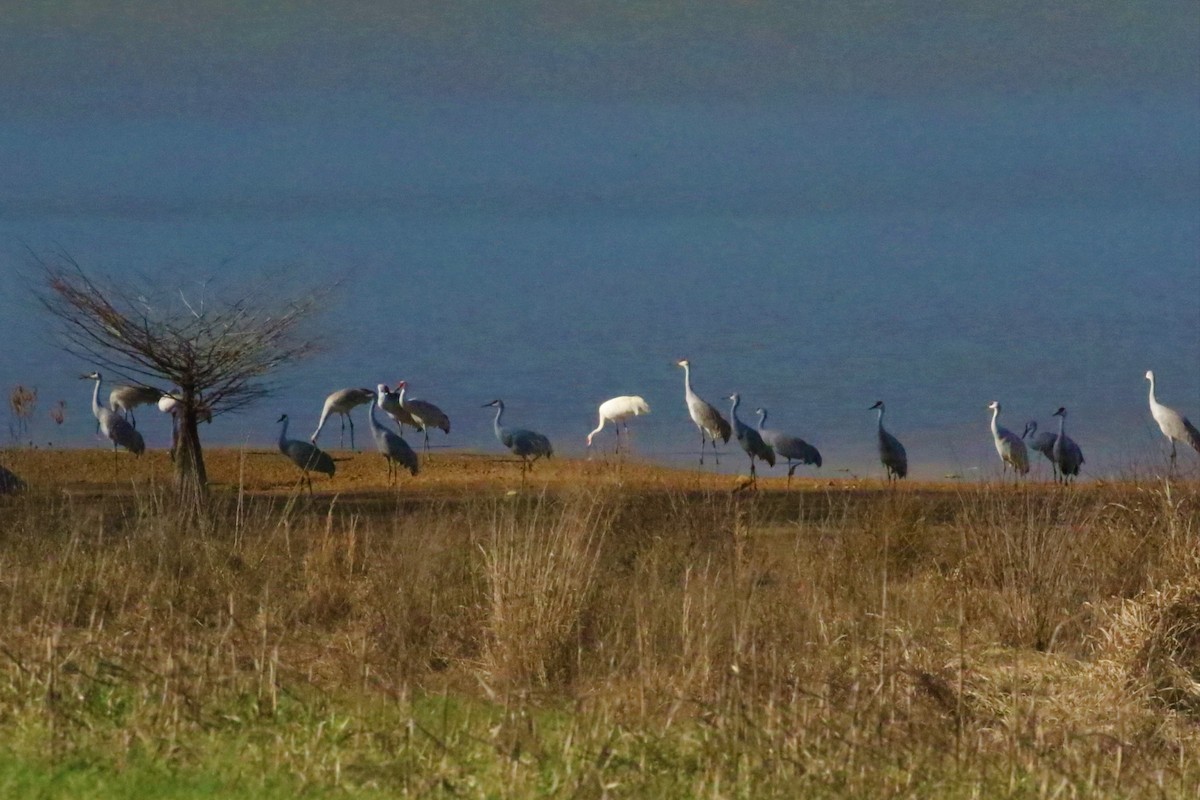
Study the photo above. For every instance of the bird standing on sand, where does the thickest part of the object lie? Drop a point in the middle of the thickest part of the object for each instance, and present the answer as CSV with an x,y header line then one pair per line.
x,y
891,452
1173,425
125,399
793,448
749,439
391,446
1008,445
342,402
113,425
1066,454
425,415
520,441
305,455
618,410
710,422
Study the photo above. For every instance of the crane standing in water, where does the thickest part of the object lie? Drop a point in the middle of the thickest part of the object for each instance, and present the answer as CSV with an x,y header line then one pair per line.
x,y
617,411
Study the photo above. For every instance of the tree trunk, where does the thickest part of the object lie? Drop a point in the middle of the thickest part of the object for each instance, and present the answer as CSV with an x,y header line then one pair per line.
x,y
191,479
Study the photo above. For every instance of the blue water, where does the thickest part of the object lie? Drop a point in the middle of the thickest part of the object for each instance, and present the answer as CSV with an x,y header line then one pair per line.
x,y
936,250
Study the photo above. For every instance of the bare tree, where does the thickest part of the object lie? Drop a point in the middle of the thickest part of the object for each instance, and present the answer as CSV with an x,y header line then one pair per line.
x,y
217,353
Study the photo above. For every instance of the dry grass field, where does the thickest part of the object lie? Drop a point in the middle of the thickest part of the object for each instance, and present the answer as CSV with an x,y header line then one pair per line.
x,y
603,631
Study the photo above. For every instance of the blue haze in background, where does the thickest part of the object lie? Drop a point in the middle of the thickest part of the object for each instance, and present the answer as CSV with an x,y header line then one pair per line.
x,y
820,208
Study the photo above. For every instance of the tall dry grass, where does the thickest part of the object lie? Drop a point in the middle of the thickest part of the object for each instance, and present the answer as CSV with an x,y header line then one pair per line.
x,y
883,643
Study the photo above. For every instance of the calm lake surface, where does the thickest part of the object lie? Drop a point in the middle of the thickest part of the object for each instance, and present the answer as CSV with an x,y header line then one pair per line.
x,y
1041,250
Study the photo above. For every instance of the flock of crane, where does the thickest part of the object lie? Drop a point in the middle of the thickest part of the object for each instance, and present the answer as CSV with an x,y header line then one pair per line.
x,y
116,421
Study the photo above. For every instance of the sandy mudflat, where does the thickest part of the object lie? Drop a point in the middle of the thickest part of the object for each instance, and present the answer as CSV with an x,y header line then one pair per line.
x,y
443,473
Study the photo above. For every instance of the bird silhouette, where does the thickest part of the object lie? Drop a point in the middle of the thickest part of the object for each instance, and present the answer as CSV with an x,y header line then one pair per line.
x,y
749,439
305,455
891,452
520,441
710,422
391,446
1065,453
794,449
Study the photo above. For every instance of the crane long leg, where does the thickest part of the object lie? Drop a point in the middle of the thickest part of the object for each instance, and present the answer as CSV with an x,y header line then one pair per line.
x,y
716,453
703,441
351,420
342,438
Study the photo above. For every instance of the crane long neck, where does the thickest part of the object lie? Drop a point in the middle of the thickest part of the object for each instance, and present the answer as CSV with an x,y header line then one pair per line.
x,y
995,426
687,379
499,413
400,396
1062,422
1153,399
283,432
879,421
762,419
599,427
737,401
96,407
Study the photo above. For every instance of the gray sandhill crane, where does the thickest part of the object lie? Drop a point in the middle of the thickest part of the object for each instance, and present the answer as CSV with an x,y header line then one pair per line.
x,y
749,439
1041,442
125,399
389,401
113,425
425,415
1067,455
342,402
1174,426
305,455
618,410
891,452
1009,446
391,446
1044,443
520,441
710,422
794,449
